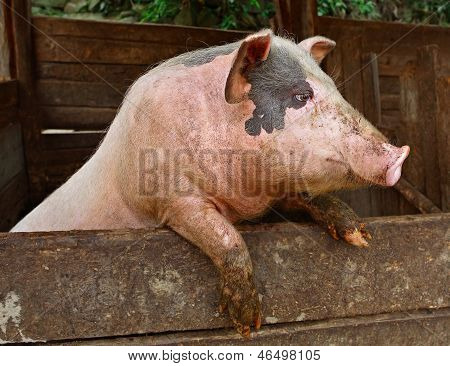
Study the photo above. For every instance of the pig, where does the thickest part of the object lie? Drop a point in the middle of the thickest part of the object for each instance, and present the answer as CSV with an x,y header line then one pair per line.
x,y
221,135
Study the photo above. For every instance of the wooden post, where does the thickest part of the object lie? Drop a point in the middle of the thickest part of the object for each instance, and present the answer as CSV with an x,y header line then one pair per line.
x,y
4,48
434,120
297,17
20,15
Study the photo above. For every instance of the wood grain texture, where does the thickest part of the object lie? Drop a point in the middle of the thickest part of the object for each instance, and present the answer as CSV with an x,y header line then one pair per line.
x,y
136,32
13,200
28,113
11,153
427,64
4,46
421,328
79,285
77,118
8,115
8,93
77,93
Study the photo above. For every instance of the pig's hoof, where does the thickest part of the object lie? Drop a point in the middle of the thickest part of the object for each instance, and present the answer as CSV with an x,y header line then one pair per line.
x,y
241,299
355,234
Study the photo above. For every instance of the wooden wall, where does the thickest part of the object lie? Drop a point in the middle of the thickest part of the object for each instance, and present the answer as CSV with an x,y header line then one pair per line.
x,y
4,48
390,91
13,177
83,68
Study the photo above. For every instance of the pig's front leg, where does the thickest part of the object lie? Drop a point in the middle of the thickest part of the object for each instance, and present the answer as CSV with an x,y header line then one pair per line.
x,y
204,226
333,214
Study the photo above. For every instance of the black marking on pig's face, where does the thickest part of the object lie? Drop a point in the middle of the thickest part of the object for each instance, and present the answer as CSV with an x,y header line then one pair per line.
x,y
274,84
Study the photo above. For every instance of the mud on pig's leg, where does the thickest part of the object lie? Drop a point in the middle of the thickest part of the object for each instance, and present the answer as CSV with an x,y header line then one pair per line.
x,y
201,223
334,215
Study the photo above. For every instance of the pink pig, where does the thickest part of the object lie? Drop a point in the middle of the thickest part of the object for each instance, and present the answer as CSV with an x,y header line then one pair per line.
x,y
219,135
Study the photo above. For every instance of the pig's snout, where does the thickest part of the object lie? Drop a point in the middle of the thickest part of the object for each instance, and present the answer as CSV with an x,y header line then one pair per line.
x,y
394,171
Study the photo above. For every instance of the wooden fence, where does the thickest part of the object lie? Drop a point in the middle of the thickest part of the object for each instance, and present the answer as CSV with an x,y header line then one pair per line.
x,y
152,287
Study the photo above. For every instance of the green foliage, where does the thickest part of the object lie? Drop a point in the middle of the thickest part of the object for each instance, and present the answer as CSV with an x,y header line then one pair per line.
x,y
225,14
241,14
410,11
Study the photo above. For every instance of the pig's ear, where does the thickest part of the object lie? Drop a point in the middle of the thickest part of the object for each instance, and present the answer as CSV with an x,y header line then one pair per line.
x,y
318,47
253,50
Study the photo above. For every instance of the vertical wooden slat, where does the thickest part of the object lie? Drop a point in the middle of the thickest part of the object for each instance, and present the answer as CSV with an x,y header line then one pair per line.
x,y
443,137
20,11
4,47
372,111
412,129
298,17
304,14
353,87
427,69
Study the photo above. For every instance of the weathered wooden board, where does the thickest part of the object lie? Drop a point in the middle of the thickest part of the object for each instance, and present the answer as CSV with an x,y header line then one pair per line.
x,y
71,140
28,114
422,328
109,51
8,93
426,78
114,74
157,33
4,47
13,200
77,118
378,36
97,284
11,153
7,115
78,93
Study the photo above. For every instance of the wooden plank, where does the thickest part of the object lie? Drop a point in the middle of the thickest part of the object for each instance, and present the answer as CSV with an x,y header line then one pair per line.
x,y
387,33
8,93
77,118
77,285
114,74
412,195
427,64
71,140
443,136
389,85
421,328
303,18
412,130
139,32
77,93
66,156
11,154
4,47
353,84
13,200
20,12
372,111
8,115
390,102
91,50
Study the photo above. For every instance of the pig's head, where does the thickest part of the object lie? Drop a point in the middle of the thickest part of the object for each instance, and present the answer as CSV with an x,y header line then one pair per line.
x,y
300,114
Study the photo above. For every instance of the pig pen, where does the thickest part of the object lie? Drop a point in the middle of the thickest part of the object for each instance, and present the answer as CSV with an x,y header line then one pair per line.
x,y
133,287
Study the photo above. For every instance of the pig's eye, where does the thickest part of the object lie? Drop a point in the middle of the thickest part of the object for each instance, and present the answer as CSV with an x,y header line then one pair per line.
x,y
303,97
